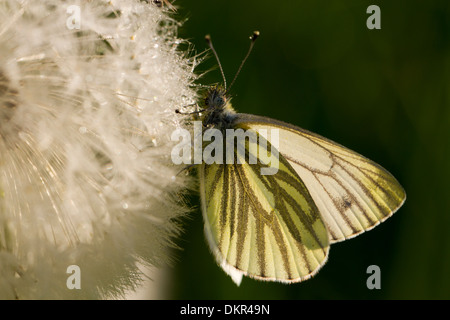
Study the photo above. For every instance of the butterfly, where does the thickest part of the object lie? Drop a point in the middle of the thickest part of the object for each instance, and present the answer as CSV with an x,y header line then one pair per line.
x,y
279,227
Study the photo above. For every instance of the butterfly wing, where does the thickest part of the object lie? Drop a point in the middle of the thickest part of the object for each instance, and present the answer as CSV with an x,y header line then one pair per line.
x,y
263,226
353,193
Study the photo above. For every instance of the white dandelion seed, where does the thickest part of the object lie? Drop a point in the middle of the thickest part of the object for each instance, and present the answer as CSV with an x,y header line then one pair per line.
x,y
86,112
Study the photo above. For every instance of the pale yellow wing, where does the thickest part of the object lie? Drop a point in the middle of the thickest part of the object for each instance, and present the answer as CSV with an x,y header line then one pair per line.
x,y
352,193
263,226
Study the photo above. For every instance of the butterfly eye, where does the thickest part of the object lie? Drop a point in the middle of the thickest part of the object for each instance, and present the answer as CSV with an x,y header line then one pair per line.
x,y
219,101
158,3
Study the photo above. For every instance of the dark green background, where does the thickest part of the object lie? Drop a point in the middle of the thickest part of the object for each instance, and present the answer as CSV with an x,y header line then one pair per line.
x,y
383,93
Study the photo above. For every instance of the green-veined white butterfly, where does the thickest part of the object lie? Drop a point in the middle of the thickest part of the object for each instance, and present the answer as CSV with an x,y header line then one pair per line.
x,y
280,227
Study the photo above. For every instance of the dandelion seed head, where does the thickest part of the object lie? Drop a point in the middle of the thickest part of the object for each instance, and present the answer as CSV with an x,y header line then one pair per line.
x,y
85,121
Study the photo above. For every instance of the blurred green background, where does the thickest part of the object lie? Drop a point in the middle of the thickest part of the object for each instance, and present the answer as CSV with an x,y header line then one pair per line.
x,y
383,93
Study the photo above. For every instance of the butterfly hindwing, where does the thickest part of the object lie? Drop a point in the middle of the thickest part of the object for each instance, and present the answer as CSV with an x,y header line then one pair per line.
x,y
353,193
263,226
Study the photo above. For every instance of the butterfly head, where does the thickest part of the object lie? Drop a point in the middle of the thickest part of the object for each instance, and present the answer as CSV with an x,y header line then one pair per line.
x,y
216,98
217,111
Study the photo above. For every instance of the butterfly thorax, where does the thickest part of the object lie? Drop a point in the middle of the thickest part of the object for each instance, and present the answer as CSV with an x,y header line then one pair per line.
x,y
218,112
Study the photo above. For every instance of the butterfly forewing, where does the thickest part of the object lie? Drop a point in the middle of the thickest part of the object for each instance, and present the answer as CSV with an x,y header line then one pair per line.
x,y
352,193
264,226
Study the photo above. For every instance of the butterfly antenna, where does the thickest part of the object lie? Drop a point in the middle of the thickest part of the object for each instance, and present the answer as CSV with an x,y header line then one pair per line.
x,y
208,40
253,38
